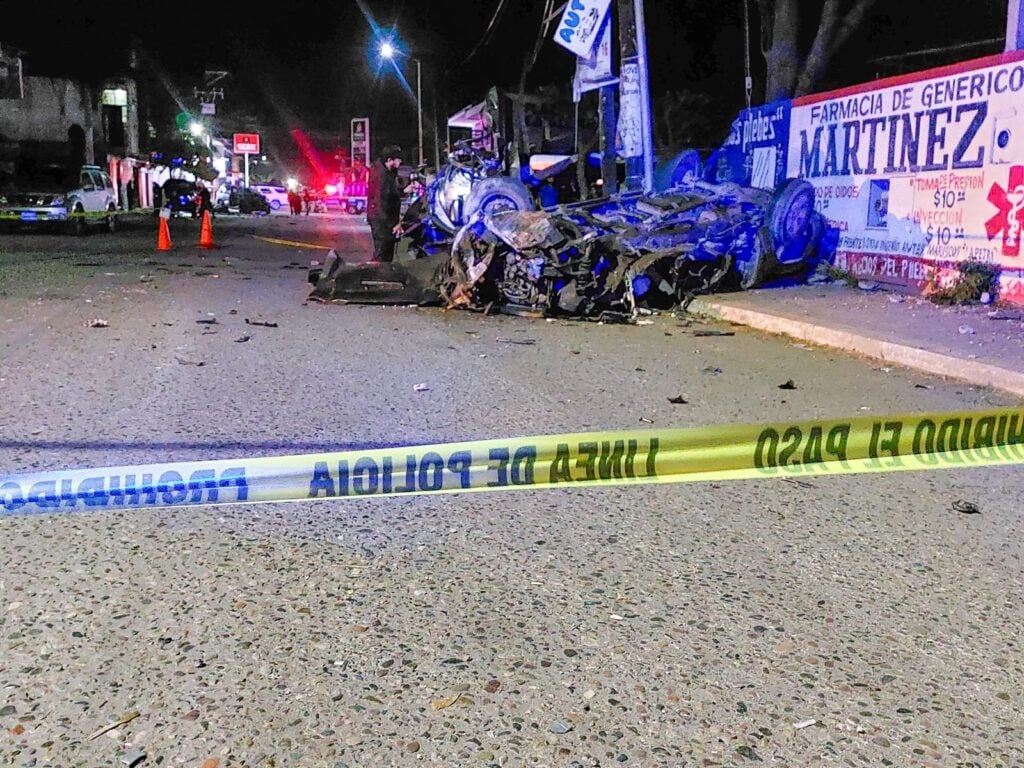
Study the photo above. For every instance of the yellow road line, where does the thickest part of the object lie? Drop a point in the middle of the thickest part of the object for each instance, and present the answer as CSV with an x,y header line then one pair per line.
x,y
292,243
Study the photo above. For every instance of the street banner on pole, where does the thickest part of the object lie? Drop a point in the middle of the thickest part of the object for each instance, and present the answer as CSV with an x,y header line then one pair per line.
x,y
360,132
595,70
581,25
630,139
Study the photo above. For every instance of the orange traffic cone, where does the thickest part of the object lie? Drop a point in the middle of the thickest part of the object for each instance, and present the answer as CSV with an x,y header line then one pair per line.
x,y
163,240
206,232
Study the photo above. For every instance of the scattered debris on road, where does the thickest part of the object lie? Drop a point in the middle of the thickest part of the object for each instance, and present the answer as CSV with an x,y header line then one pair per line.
x,y
679,400
243,338
123,721
524,342
790,384
97,322
420,388
260,323
966,507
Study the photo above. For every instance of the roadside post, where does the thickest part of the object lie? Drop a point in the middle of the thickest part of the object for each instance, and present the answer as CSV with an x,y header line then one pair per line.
x,y
1014,27
586,30
246,144
647,125
360,140
635,128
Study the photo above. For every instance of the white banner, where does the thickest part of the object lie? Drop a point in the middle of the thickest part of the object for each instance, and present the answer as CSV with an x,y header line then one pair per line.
x,y
630,140
581,24
595,71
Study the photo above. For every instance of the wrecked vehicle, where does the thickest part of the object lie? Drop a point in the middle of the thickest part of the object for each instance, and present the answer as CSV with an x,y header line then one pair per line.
x,y
635,251
608,257
469,183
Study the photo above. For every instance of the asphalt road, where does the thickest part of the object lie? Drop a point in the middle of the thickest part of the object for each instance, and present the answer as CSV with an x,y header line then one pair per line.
x,y
692,625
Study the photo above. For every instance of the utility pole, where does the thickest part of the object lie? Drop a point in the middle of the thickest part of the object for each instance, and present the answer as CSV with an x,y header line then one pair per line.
x,y
635,96
645,97
1014,26
419,108
627,57
609,165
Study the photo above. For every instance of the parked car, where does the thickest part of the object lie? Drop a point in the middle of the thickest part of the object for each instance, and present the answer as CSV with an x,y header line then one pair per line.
x,y
240,200
276,195
180,197
249,201
56,194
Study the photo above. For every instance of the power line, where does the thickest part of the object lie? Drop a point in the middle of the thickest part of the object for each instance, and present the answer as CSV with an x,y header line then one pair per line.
x,y
499,12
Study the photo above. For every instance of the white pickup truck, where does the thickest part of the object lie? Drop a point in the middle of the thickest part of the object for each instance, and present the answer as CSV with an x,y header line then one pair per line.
x,y
52,195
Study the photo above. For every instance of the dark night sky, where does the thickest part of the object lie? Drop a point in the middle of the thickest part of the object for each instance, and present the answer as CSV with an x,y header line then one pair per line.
x,y
305,64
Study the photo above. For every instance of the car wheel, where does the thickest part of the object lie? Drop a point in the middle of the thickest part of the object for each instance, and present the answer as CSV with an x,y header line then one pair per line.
x,y
497,193
725,166
672,173
111,220
275,204
790,214
795,254
755,270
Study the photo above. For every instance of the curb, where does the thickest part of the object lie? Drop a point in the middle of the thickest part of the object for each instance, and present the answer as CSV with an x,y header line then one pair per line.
x,y
970,371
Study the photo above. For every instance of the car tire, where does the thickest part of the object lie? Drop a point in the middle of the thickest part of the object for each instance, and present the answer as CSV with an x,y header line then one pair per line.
x,y
497,193
796,254
111,221
724,166
791,212
755,270
275,204
675,171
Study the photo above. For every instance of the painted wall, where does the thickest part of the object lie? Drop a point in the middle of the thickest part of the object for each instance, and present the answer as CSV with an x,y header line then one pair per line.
x,y
918,172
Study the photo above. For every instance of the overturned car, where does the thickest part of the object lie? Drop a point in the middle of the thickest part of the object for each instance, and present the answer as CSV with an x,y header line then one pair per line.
x,y
606,256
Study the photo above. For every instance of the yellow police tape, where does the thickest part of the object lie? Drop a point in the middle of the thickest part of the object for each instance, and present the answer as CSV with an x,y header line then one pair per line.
x,y
56,216
621,458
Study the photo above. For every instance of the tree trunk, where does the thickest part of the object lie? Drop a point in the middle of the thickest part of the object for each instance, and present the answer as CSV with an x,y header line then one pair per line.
x,y
833,31
817,58
782,54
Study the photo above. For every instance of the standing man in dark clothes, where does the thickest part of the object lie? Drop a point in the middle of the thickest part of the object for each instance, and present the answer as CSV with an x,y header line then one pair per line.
x,y
202,198
384,203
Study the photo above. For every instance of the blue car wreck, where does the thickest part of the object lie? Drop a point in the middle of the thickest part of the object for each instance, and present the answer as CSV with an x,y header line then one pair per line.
x,y
604,258
633,251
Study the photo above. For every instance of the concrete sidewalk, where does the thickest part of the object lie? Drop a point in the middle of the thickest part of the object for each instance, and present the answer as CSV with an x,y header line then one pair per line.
x,y
982,345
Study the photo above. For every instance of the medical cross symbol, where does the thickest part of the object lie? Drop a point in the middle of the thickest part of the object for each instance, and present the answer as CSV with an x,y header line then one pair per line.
x,y
1010,218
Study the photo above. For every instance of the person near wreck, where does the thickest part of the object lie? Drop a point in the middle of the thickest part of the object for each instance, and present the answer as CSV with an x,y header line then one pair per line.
x,y
384,203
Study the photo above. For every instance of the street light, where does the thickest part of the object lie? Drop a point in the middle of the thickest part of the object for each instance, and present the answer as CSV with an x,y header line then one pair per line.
x,y
196,129
388,51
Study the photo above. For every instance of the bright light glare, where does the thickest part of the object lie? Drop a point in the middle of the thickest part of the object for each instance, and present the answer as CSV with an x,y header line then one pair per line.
x,y
196,129
330,189
292,183
387,50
